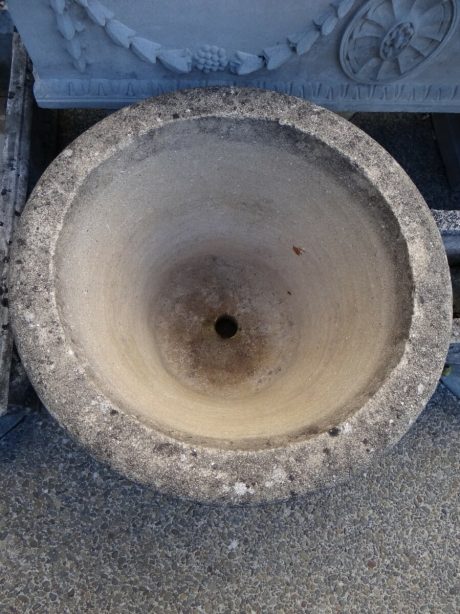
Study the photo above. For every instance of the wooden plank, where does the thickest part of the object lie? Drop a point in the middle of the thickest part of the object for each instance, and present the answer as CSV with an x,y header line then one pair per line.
x,y
13,192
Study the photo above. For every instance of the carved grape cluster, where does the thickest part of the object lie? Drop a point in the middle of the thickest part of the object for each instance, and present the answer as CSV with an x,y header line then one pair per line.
x,y
210,58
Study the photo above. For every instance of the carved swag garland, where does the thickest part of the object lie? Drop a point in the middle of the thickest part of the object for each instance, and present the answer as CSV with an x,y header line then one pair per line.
x,y
382,43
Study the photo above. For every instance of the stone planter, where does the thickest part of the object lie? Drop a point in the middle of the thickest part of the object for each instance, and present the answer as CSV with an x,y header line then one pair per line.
x,y
348,55
230,295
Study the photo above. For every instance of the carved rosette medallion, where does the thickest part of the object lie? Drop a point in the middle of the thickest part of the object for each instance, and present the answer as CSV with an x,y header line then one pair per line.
x,y
388,39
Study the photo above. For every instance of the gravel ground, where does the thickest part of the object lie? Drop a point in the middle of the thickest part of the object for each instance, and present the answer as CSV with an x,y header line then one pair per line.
x,y
76,537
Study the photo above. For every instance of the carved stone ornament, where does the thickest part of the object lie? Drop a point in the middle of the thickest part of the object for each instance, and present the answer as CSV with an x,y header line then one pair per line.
x,y
388,39
347,55
206,58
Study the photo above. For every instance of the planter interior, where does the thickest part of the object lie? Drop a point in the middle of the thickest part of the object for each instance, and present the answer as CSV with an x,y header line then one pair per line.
x,y
234,282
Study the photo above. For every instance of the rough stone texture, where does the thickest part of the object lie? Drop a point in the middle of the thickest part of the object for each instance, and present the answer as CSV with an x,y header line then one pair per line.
x,y
408,137
14,181
456,330
76,537
448,222
210,474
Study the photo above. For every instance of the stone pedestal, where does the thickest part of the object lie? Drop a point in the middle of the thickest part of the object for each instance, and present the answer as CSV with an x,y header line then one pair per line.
x,y
348,55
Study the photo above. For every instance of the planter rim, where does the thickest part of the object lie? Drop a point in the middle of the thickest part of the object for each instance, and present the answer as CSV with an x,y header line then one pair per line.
x,y
184,469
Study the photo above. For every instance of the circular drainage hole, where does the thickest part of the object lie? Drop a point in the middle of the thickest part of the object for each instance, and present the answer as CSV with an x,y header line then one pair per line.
x,y
226,326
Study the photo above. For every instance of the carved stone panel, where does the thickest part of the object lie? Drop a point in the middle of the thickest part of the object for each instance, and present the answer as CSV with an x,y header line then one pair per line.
x,y
348,54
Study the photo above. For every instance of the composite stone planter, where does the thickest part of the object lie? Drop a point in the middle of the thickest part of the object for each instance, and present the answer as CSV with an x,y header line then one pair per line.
x,y
230,295
348,55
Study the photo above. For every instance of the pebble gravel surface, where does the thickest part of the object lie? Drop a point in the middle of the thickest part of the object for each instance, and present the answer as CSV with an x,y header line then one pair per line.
x,y
77,537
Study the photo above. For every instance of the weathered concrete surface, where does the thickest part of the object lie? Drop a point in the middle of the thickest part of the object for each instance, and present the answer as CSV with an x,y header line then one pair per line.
x,y
182,465
14,182
76,537
408,137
